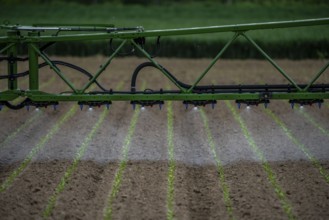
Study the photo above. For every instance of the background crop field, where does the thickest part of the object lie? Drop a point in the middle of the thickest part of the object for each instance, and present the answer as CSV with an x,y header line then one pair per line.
x,y
293,43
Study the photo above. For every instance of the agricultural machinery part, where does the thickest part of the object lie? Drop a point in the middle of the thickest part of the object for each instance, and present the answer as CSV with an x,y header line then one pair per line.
x,y
33,41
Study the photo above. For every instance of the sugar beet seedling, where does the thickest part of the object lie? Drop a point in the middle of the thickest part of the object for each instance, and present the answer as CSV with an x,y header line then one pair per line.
x,y
37,38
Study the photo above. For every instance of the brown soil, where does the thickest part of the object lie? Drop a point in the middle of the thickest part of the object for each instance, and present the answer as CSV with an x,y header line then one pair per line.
x,y
198,191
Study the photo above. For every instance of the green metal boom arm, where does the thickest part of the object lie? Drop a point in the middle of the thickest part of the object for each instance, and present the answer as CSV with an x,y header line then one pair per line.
x,y
33,35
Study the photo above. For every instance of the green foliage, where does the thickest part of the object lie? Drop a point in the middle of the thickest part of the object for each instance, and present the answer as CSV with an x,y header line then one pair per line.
x,y
197,49
295,43
159,2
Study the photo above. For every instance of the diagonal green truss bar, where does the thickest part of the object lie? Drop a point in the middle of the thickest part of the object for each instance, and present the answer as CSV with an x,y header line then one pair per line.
x,y
103,67
272,62
35,36
316,76
6,47
221,52
54,67
148,56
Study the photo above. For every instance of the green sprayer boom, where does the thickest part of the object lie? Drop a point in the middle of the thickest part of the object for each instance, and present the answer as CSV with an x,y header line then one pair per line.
x,y
35,40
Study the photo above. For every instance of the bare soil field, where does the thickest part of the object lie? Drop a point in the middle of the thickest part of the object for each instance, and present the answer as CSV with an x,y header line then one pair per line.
x,y
222,163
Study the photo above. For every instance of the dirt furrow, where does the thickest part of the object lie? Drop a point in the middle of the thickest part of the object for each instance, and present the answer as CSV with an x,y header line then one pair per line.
x,y
90,184
35,185
304,187
16,150
144,184
313,140
247,181
197,188
305,194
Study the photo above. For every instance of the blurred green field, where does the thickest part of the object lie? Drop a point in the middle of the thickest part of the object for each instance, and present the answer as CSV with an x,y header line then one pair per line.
x,y
184,15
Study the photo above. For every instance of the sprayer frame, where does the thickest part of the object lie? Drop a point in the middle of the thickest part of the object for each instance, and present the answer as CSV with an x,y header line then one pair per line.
x,y
32,36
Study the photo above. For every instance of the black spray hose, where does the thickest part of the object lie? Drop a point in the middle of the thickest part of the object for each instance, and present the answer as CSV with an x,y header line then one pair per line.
x,y
72,66
183,85
18,106
150,64
56,62
222,88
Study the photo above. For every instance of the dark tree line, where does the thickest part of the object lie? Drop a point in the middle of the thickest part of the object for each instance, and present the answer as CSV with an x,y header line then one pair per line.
x,y
159,2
